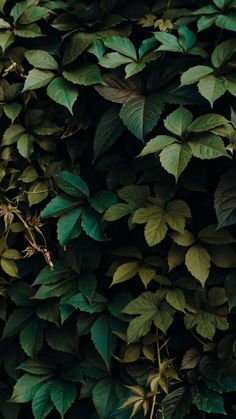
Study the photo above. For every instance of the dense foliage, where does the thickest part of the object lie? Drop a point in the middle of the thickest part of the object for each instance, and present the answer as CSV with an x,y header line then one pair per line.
x,y
118,209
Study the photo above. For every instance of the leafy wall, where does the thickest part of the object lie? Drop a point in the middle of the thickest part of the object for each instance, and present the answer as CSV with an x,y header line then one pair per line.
x,y
118,193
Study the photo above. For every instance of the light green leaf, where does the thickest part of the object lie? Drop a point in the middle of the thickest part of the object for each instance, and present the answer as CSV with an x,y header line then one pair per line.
x,y
212,88
176,299
208,147
37,192
37,78
116,212
133,68
223,52
41,59
140,114
139,327
113,60
9,266
155,230
169,42
156,144
198,260
175,158
87,75
227,22
125,271
63,93
26,387
178,121
207,122
25,145
183,239
194,74
121,45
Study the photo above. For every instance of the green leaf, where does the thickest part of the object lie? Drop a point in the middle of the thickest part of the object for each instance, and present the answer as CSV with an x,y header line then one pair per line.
x,y
12,110
212,88
187,38
122,45
91,224
183,239
207,122
104,397
210,234
145,303
175,158
16,321
198,263
32,14
169,42
41,59
176,299
140,114
9,266
78,43
37,192
72,184
227,22
177,404
139,327
225,196
164,317
230,288
113,60
115,89
62,92
25,145
103,338
156,144
37,78
87,75
63,394
116,212
31,337
42,405
109,129
125,271
69,226
209,402
133,68
155,229
29,31
223,52
59,206
208,147
178,121
26,387
194,74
